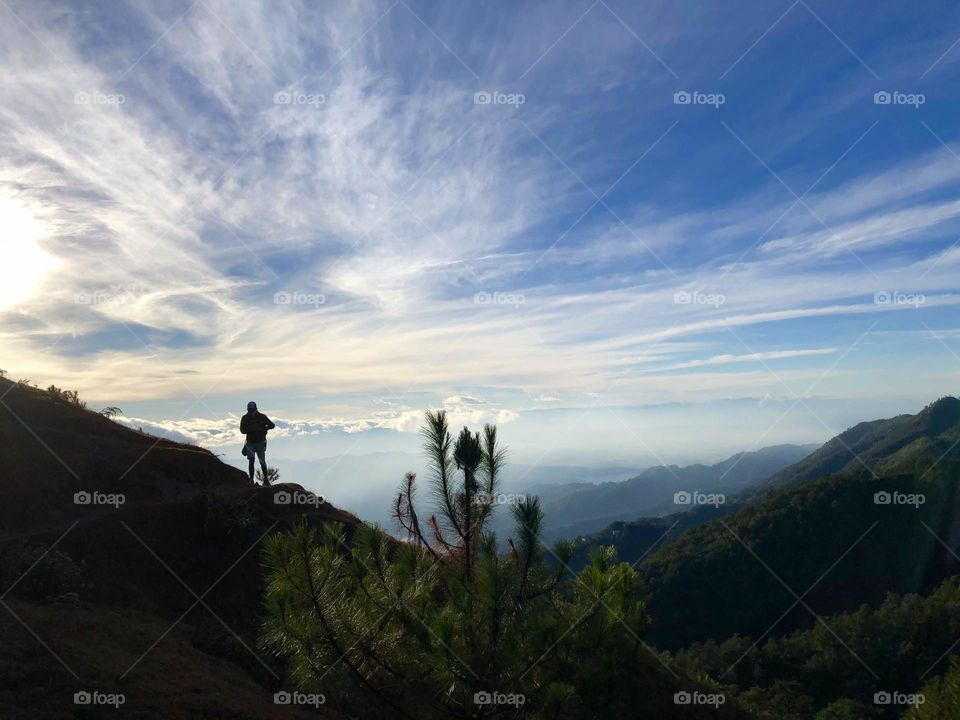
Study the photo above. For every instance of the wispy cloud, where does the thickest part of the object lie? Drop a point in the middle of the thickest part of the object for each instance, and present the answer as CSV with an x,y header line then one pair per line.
x,y
301,199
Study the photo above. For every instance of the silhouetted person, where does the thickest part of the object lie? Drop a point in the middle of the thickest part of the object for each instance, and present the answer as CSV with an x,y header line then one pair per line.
x,y
255,425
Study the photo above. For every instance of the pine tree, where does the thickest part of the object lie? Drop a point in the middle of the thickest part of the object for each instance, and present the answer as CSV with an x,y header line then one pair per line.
x,y
442,624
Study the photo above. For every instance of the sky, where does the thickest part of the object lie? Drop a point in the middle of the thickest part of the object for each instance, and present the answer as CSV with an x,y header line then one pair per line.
x,y
625,232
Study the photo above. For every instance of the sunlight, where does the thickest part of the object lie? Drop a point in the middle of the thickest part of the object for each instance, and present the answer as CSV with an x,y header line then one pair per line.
x,y
24,262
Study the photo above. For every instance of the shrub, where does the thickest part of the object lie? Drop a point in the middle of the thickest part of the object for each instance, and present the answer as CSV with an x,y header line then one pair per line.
x,y
37,574
272,476
220,517
68,396
431,627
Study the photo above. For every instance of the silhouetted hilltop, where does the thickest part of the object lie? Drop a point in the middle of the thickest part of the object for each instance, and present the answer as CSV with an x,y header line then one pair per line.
x,y
108,537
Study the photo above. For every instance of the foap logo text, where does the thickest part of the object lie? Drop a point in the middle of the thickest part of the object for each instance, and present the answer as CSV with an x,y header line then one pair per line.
x,y
699,698
499,698
94,497
895,697
499,298
284,697
896,297
899,498
696,97
495,97
685,297
683,497
298,498
297,298
295,97
485,498
95,697
896,97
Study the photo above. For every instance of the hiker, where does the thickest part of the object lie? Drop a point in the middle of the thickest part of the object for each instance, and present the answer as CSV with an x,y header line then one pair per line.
x,y
255,425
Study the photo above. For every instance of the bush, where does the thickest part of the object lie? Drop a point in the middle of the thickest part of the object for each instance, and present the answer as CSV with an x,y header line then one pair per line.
x,y
941,696
220,517
71,397
41,575
272,477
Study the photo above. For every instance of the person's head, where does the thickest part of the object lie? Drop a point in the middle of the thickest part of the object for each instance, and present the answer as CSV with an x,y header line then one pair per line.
x,y
251,406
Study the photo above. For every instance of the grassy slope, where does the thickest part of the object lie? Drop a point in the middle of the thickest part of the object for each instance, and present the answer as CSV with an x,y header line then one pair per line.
x,y
176,531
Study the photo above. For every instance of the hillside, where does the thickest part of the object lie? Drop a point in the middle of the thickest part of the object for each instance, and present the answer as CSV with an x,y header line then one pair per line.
x,y
893,445
698,580
884,446
89,589
159,596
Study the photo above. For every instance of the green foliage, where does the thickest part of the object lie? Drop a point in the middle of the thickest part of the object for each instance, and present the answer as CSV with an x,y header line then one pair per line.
x,y
111,412
419,628
41,575
220,517
272,476
941,696
71,397
899,640
784,700
848,709
698,581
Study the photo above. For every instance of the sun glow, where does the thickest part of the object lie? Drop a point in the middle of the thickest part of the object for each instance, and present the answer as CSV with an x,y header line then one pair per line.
x,y
23,263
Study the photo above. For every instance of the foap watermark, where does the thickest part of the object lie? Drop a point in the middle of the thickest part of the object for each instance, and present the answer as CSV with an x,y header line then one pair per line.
x,y
895,97
696,697
898,498
296,97
695,97
485,498
120,295
283,697
298,498
298,298
498,698
95,97
896,297
499,298
896,697
95,697
682,497
698,298
495,97
85,497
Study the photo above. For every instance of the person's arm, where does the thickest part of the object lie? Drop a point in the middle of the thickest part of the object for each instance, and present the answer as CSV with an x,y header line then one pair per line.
x,y
268,423
243,424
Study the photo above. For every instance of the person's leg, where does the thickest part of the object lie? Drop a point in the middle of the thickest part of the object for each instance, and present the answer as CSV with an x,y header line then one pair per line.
x,y
262,454
250,457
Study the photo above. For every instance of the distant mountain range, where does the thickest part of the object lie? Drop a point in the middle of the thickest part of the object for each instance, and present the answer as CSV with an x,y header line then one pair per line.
x,y
588,508
713,572
367,483
576,499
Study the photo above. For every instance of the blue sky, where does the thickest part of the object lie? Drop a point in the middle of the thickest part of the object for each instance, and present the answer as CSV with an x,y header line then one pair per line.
x,y
354,211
